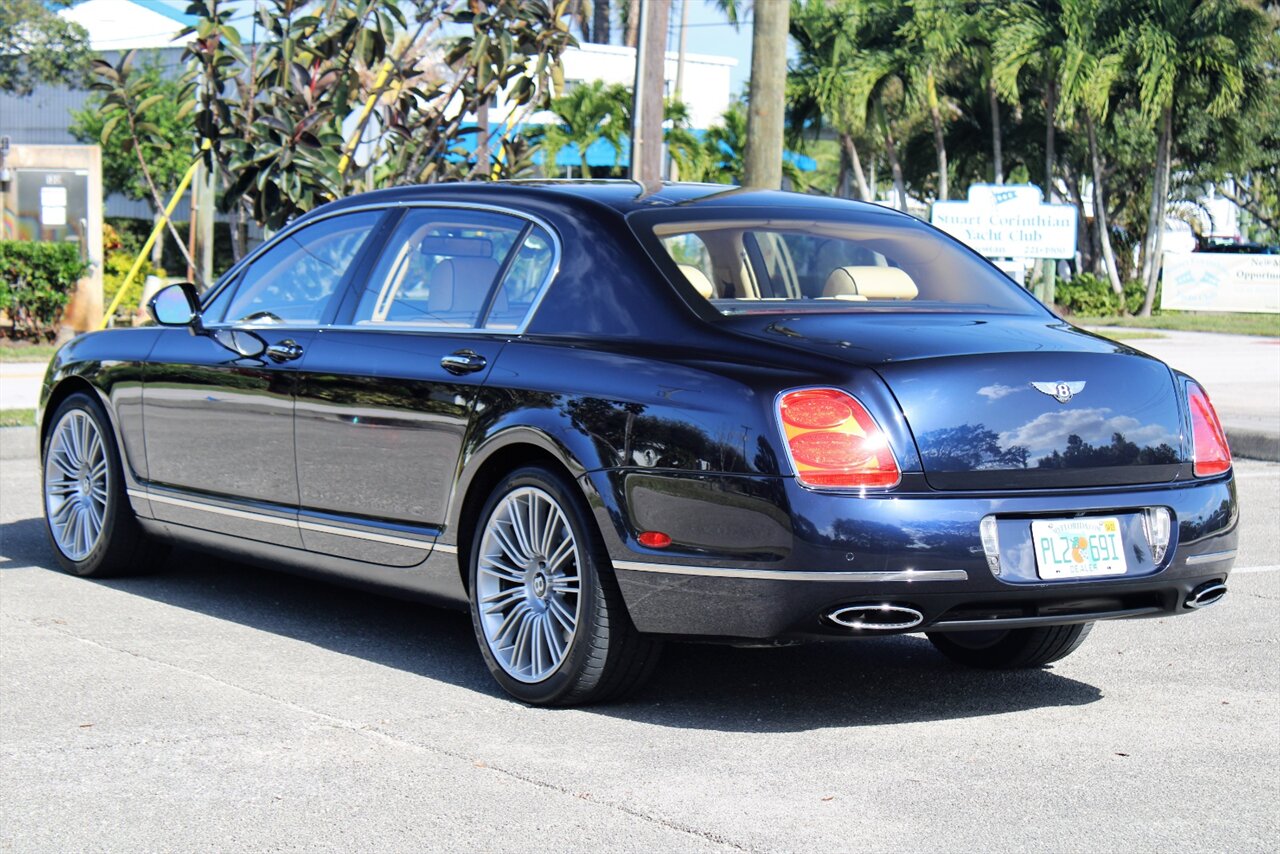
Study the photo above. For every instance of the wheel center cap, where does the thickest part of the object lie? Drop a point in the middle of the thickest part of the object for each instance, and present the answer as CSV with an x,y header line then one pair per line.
x,y
540,585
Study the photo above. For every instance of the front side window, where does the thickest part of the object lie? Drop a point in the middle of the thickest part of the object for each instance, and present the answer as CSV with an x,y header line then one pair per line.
x,y
440,267
292,281
869,260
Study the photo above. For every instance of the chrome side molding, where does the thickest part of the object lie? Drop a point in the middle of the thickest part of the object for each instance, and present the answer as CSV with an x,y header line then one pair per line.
x,y
906,575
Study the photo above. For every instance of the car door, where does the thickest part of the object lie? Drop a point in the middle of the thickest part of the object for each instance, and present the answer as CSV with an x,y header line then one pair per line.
x,y
218,428
385,395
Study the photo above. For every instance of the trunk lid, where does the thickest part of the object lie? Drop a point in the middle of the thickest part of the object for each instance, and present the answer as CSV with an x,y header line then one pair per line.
x,y
1008,402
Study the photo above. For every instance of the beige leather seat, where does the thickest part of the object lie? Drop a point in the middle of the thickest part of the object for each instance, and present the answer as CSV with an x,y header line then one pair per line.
x,y
699,280
458,289
864,283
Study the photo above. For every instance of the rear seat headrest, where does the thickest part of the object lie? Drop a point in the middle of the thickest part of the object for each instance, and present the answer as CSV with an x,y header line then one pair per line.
x,y
870,283
699,280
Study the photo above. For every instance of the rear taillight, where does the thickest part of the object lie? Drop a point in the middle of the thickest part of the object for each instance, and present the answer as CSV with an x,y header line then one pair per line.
x,y
1212,456
833,441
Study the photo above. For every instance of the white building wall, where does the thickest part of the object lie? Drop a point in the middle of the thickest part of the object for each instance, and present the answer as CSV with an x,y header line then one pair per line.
x,y
706,89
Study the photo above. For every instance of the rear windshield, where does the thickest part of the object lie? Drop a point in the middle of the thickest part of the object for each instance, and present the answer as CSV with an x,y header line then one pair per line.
x,y
872,261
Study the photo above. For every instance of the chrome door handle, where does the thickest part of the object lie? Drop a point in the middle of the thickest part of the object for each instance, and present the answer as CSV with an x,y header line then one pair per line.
x,y
463,362
285,351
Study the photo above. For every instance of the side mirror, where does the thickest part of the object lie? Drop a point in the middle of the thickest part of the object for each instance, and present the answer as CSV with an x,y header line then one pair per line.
x,y
176,305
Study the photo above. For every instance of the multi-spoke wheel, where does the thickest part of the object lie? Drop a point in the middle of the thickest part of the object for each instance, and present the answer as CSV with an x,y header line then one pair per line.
x,y
89,520
75,484
545,605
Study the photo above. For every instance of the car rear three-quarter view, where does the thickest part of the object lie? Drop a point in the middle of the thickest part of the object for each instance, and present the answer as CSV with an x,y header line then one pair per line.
x,y
600,417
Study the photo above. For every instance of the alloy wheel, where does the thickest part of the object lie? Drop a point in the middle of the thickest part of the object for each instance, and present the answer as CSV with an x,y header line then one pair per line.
x,y
528,583
75,484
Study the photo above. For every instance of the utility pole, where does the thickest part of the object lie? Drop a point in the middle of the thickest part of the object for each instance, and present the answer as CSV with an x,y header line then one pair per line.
x,y
646,109
762,163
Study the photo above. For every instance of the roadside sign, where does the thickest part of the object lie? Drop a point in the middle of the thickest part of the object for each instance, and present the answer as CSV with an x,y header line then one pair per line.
x,y
1211,281
1009,221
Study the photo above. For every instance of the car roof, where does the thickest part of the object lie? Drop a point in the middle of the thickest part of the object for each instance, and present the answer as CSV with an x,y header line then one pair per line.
x,y
622,196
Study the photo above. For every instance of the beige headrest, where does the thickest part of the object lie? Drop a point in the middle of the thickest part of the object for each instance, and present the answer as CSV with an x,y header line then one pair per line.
x,y
698,279
870,283
460,284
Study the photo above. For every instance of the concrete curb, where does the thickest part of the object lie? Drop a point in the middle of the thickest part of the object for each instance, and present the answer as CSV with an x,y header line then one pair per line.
x,y
1253,444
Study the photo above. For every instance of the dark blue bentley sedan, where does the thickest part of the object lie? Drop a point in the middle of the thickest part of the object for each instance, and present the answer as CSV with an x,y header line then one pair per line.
x,y
600,416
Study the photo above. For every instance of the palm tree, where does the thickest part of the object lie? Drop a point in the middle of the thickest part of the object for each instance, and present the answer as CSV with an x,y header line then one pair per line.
x,y
1189,55
1091,68
588,113
936,33
817,91
1030,40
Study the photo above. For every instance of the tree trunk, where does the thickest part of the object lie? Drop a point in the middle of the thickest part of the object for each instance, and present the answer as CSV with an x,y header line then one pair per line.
x,y
997,143
631,35
842,177
1085,253
678,94
1100,213
600,22
1155,222
1050,128
762,161
895,165
646,112
851,153
939,143
157,249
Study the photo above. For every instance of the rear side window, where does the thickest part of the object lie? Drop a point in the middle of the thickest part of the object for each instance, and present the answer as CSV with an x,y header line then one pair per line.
x,y
293,280
765,262
440,266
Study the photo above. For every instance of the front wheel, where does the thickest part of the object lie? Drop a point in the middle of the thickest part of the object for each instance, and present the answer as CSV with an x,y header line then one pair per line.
x,y
545,606
87,514
1011,649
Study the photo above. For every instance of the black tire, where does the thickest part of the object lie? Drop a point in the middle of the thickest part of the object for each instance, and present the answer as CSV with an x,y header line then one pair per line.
x,y
1011,649
605,658
121,547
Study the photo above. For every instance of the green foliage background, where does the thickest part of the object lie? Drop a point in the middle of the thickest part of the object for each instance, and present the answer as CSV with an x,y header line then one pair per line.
x,y
36,281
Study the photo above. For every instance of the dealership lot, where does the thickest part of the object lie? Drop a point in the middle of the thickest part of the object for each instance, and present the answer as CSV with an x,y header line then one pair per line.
x,y
216,706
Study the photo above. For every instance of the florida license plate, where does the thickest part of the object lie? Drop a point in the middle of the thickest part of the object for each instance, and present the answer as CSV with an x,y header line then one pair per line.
x,y
1078,548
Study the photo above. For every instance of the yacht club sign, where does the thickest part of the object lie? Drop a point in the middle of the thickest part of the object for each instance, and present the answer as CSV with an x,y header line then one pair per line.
x,y
1009,221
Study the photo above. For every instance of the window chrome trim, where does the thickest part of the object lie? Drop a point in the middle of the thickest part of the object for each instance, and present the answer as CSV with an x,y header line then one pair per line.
x,y
904,575
552,271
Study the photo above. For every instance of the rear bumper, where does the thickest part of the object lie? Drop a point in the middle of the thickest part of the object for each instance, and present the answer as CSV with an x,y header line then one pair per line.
x,y
762,558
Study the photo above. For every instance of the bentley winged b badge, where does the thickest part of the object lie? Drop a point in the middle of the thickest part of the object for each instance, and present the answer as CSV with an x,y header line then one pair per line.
x,y
1061,391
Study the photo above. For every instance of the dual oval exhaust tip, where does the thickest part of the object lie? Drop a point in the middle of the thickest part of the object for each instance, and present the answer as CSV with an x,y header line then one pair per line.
x,y
880,617
1206,594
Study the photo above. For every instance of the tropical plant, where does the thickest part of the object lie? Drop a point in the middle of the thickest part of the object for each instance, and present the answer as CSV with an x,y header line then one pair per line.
x,y
275,115
587,113
1190,56
36,282
144,152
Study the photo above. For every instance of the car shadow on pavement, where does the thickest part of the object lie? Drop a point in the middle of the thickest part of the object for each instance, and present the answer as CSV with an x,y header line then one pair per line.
x,y
877,681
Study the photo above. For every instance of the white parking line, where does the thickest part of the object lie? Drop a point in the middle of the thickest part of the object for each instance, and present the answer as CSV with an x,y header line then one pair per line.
x,y
1246,570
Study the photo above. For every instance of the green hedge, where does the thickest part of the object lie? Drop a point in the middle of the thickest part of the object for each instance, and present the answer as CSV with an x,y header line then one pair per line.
x,y
36,281
1090,295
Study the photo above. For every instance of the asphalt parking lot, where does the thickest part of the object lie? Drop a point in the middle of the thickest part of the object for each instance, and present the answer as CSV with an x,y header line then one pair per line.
x,y
219,707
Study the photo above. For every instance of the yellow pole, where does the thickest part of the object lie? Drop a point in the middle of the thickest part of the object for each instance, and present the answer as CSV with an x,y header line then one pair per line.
x,y
146,247
350,148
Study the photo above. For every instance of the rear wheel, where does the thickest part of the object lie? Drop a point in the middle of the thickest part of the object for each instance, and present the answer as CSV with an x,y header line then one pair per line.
x,y
87,514
545,606
1011,649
